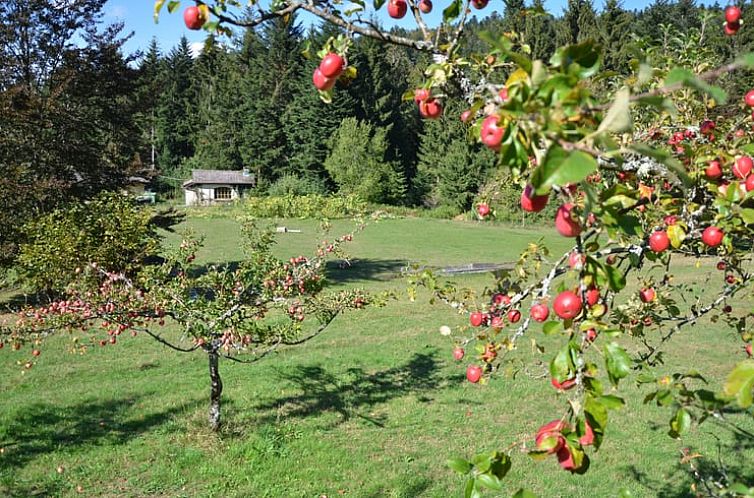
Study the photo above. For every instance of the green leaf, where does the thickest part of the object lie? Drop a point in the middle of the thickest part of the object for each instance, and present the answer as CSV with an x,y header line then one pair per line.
x,y
489,481
740,383
157,8
582,59
680,423
450,12
617,362
615,278
470,490
561,167
676,235
746,60
524,493
552,327
560,366
618,117
747,215
459,465
173,5
688,79
612,402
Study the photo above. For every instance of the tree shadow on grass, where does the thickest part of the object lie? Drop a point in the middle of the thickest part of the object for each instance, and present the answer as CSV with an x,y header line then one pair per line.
x,y
41,428
351,394
731,462
356,270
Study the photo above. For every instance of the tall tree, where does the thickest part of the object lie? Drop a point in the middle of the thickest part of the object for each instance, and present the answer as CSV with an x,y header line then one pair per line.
x,y
615,28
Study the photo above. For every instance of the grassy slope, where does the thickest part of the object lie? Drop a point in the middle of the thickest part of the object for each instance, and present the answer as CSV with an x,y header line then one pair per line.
x,y
371,409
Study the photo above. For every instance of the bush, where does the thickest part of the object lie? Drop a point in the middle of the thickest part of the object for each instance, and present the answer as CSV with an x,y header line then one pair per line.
x,y
110,230
503,194
305,206
295,185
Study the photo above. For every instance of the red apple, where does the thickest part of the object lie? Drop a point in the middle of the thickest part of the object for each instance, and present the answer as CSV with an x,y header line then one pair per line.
x,y
501,299
592,296
742,167
492,133
497,322
483,209
35,352
747,348
458,354
647,295
531,202
425,6
514,316
732,14
565,223
576,260
567,305
430,108
465,115
503,94
552,429
397,8
591,335
588,438
565,385
421,94
476,319
731,28
749,184
712,236
539,312
321,82
479,4
713,170
474,373
659,241
565,459
332,65
749,98
193,17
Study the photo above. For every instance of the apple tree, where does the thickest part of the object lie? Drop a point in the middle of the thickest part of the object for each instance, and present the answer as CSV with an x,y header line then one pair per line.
x,y
240,314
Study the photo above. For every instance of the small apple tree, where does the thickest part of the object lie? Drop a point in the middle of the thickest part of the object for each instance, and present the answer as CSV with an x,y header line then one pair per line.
x,y
640,175
241,314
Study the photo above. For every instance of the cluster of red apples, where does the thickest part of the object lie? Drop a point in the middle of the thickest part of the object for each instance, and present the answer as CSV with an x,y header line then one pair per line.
x,y
732,20
325,76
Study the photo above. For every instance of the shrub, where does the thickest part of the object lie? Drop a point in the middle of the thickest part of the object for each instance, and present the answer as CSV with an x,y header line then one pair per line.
x,y
110,230
305,206
296,185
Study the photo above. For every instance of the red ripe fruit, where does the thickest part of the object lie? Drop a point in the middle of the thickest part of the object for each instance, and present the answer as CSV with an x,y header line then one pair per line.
x,y
588,437
659,241
721,265
567,305
712,236
321,82
576,260
420,94
732,14
742,167
36,352
430,108
749,98
592,296
565,459
647,295
749,184
713,170
465,115
501,299
497,322
539,312
531,202
514,316
503,94
332,65
565,385
591,335
483,209
193,17
397,8
458,354
479,4
731,28
670,219
425,6
491,132
566,225
747,348
474,373
476,319
552,429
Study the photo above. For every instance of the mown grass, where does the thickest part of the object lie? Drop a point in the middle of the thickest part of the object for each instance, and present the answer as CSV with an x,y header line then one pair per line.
x,y
373,408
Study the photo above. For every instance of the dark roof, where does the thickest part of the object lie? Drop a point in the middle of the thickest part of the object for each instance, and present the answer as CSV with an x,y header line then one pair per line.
x,y
199,176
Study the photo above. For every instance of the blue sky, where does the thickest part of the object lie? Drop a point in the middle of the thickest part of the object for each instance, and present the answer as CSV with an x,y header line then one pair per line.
x,y
137,16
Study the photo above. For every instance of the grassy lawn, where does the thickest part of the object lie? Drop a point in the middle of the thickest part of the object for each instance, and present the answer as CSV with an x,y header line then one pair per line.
x,y
372,408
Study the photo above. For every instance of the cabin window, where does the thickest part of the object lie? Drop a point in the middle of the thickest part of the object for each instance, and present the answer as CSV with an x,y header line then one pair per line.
x,y
223,193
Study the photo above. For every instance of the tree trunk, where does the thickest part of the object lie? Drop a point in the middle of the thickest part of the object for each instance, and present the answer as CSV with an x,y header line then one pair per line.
x,y
216,390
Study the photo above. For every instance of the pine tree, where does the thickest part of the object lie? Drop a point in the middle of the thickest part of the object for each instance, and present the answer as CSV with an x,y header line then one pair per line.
x,y
615,35
579,23
539,31
149,88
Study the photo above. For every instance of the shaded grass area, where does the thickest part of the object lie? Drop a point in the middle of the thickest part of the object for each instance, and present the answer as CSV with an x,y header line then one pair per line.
x,y
372,408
